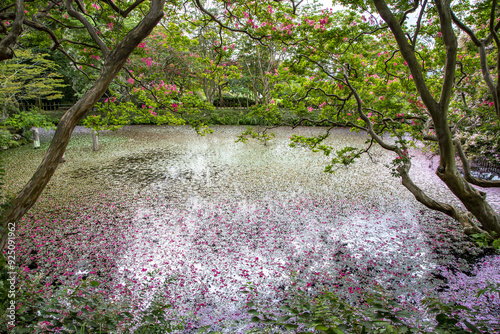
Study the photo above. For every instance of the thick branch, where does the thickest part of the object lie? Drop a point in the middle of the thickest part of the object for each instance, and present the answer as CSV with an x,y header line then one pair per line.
x,y
15,31
408,54
123,13
88,26
463,218
451,45
467,175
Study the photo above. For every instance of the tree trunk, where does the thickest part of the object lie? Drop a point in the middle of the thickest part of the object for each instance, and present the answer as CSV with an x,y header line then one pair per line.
x,y
221,102
95,140
25,199
472,199
36,138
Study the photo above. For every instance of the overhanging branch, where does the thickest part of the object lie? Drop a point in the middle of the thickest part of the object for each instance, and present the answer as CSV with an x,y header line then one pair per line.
x,y
466,166
462,217
17,27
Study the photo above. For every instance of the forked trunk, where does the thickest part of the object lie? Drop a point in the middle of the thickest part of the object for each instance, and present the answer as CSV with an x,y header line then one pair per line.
x,y
472,199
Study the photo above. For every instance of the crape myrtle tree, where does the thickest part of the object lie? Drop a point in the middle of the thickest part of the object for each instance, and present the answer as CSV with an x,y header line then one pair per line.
x,y
168,55
215,49
259,62
396,70
97,38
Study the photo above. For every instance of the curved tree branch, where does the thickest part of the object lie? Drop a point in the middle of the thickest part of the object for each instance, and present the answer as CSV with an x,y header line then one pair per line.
x,y
41,27
221,24
17,27
123,13
88,26
409,11
451,46
408,54
463,218
419,23
466,166
483,61
367,121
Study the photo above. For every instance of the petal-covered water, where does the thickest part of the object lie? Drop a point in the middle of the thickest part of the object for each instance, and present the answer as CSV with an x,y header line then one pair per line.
x,y
197,220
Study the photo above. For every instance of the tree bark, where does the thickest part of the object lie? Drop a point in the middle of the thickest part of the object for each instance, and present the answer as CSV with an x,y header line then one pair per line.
x,y
115,60
17,27
472,199
36,138
463,218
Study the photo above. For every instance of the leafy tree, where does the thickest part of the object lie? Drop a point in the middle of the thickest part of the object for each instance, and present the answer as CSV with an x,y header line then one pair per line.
x,y
168,55
97,38
259,64
215,50
390,67
29,76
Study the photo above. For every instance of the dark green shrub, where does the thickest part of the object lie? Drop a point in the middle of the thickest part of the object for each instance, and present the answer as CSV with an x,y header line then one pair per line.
x,y
233,101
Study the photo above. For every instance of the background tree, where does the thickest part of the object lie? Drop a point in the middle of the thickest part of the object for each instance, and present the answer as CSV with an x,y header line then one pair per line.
x,y
259,64
168,55
218,67
29,76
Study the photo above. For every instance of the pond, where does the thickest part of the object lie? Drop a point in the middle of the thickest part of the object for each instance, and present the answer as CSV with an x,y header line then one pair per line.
x,y
160,212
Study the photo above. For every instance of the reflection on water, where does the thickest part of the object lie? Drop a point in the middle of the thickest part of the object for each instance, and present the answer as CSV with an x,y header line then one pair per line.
x,y
213,216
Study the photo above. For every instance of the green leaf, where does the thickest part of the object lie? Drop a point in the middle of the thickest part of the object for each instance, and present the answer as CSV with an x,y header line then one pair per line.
x,y
321,327
291,326
149,319
95,283
403,314
471,327
441,318
481,292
